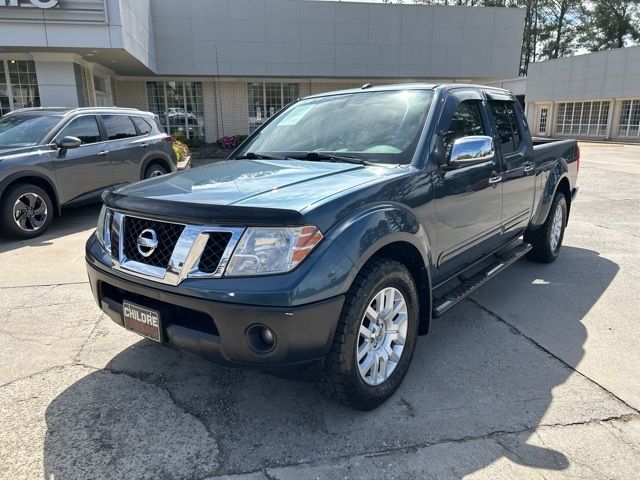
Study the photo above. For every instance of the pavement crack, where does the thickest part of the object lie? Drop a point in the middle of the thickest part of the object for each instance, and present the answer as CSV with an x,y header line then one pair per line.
x,y
494,436
517,331
76,358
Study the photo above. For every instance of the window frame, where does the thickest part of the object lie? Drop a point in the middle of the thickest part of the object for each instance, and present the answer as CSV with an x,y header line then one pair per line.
x,y
10,85
627,125
253,126
512,118
106,132
140,133
571,118
162,102
96,118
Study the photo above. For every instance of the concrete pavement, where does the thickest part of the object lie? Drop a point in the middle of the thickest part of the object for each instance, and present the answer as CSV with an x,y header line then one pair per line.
x,y
536,376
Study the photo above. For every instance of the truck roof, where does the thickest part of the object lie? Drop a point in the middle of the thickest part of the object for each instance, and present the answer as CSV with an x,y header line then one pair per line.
x,y
412,86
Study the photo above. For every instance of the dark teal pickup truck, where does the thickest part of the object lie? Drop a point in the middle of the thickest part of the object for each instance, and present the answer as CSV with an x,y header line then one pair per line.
x,y
326,243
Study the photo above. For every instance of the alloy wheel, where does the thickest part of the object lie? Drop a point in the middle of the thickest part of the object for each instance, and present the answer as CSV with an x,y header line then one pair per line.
x,y
556,227
382,335
30,212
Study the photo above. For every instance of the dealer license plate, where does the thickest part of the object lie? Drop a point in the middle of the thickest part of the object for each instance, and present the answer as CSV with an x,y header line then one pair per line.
x,y
141,320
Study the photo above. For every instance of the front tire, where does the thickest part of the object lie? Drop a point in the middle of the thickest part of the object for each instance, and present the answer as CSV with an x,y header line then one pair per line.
x,y
375,337
547,240
26,211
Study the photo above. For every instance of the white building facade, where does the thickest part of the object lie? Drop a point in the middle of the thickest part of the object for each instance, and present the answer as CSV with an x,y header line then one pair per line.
x,y
593,96
211,68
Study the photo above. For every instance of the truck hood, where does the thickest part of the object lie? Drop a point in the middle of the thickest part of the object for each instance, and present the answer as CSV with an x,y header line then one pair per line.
x,y
244,191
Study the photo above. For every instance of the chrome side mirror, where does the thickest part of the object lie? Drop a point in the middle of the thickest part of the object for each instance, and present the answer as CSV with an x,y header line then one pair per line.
x,y
68,142
471,151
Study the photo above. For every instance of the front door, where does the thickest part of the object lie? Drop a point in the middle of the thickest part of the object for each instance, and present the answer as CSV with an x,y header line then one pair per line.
x,y
542,120
84,171
468,199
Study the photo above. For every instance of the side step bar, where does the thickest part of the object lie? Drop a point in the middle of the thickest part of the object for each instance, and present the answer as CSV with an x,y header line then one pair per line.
x,y
468,286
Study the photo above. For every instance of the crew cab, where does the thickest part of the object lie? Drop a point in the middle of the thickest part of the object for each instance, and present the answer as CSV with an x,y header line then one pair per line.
x,y
326,243
52,158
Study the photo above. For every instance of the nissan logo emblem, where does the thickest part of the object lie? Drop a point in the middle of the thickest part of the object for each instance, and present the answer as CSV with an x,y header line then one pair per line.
x,y
147,242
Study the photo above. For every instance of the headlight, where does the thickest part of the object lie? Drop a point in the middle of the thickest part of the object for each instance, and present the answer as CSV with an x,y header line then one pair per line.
x,y
263,251
103,229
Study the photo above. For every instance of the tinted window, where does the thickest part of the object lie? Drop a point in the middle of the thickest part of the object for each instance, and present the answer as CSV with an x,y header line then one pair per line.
x,y
119,126
85,128
142,124
506,126
466,121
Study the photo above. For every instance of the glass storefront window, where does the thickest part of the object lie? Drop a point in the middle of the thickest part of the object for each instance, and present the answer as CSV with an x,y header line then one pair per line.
x,y
180,106
18,85
582,118
630,119
266,98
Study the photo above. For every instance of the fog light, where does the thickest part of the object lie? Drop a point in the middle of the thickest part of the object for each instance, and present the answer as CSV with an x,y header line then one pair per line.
x,y
261,339
267,336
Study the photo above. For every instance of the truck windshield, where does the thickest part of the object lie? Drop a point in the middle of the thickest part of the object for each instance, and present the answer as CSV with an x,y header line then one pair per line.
x,y
25,130
379,127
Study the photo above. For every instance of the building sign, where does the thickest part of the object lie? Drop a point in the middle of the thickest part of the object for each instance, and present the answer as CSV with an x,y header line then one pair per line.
x,y
31,3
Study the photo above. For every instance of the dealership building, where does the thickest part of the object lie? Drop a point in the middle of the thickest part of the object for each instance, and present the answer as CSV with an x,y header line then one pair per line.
x,y
211,68
593,96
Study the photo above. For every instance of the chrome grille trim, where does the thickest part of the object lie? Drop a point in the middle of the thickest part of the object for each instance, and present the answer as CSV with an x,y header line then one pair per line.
x,y
185,257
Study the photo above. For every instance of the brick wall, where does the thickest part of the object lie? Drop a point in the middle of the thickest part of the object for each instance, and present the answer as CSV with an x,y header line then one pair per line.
x,y
131,93
233,106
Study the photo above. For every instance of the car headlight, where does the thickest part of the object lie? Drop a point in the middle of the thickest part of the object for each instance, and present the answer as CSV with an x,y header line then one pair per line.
x,y
103,229
264,251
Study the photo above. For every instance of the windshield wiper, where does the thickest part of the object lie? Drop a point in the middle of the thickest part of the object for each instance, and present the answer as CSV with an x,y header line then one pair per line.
x,y
327,157
259,156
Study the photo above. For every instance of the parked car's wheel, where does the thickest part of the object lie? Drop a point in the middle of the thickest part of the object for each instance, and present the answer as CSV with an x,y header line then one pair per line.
x,y
26,211
155,170
375,337
547,240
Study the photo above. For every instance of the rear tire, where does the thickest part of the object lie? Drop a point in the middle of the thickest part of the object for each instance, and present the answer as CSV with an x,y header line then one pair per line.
x,y
26,211
155,170
378,292
547,240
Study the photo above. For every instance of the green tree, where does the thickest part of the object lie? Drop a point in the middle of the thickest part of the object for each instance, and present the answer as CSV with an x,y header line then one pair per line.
x,y
558,30
607,24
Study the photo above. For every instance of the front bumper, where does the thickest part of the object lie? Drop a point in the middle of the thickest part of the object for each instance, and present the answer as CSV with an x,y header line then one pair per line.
x,y
217,331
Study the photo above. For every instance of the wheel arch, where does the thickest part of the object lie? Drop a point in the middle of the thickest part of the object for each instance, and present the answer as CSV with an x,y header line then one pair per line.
x,y
36,179
390,231
154,160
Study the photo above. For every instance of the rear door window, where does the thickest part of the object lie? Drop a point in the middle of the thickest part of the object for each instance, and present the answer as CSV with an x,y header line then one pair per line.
x,y
506,126
85,128
119,127
143,125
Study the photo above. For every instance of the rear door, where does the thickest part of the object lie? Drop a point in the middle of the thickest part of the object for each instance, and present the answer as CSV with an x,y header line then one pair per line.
x,y
518,178
124,147
468,199
85,170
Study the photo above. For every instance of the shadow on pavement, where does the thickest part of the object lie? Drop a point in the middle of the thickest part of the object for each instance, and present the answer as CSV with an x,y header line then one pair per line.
x,y
73,220
154,412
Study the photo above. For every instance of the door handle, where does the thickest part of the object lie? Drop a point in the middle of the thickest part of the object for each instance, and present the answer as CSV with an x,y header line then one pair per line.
x,y
102,153
528,167
144,145
496,179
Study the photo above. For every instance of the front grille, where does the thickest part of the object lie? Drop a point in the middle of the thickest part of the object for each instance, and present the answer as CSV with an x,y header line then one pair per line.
x,y
167,234
213,251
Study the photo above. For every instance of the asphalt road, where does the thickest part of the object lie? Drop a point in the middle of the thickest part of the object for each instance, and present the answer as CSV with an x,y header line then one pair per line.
x,y
536,376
